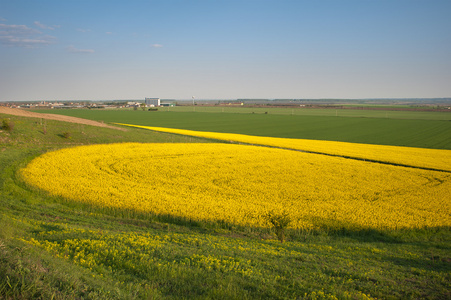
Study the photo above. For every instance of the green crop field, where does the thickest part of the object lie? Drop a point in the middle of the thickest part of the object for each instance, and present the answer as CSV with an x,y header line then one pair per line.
x,y
382,112
54,248
402,128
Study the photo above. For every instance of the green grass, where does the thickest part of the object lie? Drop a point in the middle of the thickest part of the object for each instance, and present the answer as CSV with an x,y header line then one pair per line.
x,y
409,132
55,249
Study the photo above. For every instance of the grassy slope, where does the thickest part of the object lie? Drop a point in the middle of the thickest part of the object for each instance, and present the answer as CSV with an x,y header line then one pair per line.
x,y
190,260
422,133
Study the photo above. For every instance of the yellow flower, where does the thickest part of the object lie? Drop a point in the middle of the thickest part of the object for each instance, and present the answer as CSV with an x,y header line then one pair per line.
x,y
239,184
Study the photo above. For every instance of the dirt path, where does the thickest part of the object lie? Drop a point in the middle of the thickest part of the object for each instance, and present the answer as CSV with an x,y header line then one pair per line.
x,y
26,113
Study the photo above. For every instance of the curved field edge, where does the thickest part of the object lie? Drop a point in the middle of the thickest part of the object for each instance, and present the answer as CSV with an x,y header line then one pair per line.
x,y
240,184
433,159
430,133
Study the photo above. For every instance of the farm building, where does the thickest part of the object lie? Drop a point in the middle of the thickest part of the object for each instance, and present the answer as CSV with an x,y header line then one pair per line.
x,y
152,101
168,103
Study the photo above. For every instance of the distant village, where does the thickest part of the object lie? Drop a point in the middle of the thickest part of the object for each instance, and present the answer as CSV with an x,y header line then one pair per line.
x,y
440,104
147,102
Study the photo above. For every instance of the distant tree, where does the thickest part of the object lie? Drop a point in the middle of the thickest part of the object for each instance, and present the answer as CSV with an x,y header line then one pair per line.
x,y
66,135
7,125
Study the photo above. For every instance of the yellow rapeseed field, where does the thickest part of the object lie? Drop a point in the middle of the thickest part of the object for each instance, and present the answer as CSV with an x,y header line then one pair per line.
x,y
239,184
416,157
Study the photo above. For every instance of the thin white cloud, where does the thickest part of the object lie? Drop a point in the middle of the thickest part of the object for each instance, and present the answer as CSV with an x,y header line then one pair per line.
x,y
23,36
157,46
83,30
25,42
108,32
2,19
17,30
72,49
42,26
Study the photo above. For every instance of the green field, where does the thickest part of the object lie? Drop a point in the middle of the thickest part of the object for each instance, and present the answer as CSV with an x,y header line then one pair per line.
x,y
385,112
51,248
411,129
356,113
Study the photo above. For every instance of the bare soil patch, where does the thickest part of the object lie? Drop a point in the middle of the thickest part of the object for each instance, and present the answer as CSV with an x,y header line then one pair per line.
x,y
26,113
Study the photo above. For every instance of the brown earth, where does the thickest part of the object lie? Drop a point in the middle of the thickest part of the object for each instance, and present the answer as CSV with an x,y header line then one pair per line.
x,y
26,113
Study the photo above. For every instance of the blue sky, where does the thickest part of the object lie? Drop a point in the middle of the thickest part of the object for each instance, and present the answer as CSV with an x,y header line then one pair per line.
x,y
98,50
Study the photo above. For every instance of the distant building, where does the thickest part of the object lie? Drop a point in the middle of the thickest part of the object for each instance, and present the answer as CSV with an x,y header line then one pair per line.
x,y
168,102
152,101
132,104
